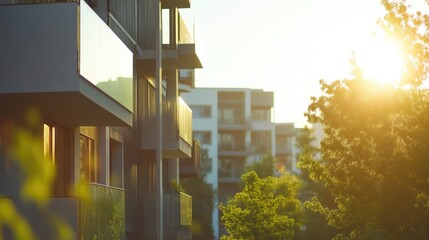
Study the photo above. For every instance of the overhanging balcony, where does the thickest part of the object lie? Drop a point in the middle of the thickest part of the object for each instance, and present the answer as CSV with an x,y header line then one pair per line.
x,y
177,53
64,60
176,3
176,129
234,151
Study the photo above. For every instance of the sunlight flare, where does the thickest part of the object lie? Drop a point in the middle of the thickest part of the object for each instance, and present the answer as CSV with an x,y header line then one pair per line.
x,y
380,60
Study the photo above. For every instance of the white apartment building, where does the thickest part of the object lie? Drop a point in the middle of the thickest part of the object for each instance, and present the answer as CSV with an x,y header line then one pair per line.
x,y
236,126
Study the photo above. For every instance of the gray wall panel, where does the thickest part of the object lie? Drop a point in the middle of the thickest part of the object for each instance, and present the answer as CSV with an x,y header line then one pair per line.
x,y
38,48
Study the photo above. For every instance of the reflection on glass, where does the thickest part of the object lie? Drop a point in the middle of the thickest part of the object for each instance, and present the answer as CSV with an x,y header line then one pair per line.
x,y
186,34
104,60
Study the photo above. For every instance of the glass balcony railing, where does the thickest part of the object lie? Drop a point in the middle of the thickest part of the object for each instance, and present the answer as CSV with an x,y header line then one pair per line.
x,y
185,209
177,118
186,32
103,216
177,210
104,59
185,121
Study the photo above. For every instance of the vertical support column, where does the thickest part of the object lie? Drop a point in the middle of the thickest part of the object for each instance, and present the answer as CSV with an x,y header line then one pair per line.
x,y
75,154
158,76
173,28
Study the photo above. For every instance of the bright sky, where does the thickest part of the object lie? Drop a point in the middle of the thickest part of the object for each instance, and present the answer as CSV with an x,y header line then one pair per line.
x,y
285,46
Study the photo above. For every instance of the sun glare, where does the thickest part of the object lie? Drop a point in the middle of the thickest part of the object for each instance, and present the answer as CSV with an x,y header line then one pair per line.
x,y
381,61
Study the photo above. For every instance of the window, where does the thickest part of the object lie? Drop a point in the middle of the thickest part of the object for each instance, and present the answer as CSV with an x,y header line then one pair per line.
x,y
88,164
231,116
261,142
204,137
231,167
261,114
56,148
231,141
116,163
201,111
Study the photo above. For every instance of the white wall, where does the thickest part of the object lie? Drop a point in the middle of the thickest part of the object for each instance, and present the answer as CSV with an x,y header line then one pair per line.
x,y
206,96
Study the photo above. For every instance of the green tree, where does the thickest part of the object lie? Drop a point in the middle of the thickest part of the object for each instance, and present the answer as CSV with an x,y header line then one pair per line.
x,y
376,148
261,210
264,167
202,203
315,224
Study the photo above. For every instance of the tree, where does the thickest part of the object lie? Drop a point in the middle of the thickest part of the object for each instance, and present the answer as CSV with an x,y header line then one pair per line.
x,y
315,224
202,203
376,148
263,168
262,210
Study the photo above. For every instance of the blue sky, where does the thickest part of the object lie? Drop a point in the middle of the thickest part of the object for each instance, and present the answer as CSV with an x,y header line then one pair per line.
x,y
285,46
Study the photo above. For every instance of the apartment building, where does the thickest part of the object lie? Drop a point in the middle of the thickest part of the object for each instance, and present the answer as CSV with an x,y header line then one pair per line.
x,y
236,126
93,70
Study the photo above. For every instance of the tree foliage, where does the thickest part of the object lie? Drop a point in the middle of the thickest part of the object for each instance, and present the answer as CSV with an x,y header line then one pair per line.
x,y
264,209
315,224
375,154
263,168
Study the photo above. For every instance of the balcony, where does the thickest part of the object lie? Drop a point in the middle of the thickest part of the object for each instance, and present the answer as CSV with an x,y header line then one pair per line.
x,y
62,58
191,167
176,128
176,3
237,123
177,210
177,52
233,150
262,99
103,217
186,80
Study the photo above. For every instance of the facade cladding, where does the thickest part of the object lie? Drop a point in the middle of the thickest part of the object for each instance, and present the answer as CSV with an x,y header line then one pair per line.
x,y
89,70
236,126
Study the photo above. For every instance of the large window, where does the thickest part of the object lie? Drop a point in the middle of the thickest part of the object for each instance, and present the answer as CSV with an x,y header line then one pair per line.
x,y
261,142
56,148
231,141
231,116
88,165
204,137
231,167
261,114
201,111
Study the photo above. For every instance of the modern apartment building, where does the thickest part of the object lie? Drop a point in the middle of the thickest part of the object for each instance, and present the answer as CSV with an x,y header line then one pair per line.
x,y
93,69
236,126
